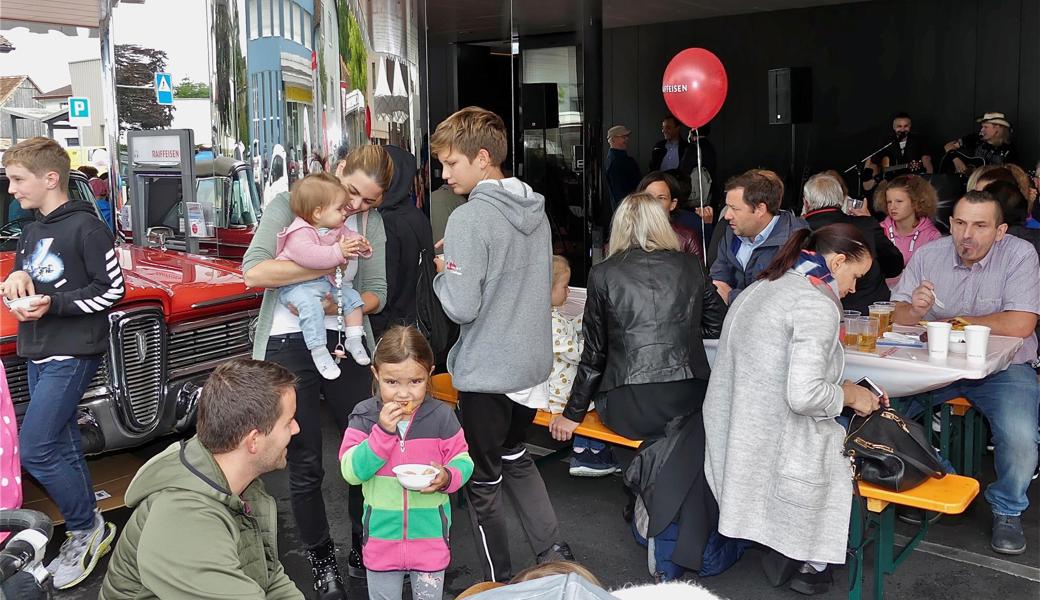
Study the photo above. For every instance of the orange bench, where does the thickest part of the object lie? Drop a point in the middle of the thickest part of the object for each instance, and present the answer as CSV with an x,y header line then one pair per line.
x,y
950,495
590,427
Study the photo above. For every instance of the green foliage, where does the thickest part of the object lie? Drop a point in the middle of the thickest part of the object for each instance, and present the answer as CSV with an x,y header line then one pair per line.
x,y
352,47
191,89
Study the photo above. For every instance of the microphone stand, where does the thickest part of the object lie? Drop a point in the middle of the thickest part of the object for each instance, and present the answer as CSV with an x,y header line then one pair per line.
x,y
858,167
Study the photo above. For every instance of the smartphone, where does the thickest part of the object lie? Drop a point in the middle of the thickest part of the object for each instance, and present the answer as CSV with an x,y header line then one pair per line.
x,y
870,385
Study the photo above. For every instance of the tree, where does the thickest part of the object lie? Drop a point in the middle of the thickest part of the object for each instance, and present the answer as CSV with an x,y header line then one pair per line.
x,y
136,67
352,49
191,89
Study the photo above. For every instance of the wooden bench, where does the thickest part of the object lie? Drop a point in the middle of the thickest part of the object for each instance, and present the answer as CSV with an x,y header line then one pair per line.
x,y
590,427
873,522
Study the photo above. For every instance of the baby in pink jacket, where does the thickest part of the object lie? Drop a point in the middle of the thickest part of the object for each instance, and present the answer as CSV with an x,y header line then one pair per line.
x,y
317,239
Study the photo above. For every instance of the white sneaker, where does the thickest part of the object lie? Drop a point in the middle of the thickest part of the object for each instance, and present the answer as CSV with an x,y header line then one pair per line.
x,y
357,351
324,362
81,552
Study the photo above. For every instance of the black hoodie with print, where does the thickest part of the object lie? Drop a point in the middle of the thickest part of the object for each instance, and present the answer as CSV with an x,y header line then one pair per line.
x,y
70,256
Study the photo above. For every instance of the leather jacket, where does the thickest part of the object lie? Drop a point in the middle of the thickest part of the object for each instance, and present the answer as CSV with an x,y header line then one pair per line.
x,y
689,240
646,316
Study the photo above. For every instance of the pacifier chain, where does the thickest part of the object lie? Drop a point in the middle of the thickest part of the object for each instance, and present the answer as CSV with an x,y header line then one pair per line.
x,y
341,349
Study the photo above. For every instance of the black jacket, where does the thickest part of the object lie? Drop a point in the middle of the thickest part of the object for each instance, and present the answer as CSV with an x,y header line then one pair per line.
x,y
70,256
646,316
408,232
660,150
888,261
622,174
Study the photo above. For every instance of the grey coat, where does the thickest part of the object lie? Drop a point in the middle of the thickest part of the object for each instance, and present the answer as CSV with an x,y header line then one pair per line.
x,y
773,451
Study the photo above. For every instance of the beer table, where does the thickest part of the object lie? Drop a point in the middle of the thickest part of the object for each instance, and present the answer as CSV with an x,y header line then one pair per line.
x,y
900,371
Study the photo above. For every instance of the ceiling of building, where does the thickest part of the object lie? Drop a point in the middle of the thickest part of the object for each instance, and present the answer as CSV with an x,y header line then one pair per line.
x,y
475,20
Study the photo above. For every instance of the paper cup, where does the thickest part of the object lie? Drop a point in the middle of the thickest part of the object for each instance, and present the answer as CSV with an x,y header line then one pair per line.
x,y
976,338
939,338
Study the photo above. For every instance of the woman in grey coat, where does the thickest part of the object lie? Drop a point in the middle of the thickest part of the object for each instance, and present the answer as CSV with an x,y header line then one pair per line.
x,y
773,451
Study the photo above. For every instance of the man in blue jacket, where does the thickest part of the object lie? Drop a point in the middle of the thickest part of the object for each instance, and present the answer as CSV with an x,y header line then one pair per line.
x,y
757,230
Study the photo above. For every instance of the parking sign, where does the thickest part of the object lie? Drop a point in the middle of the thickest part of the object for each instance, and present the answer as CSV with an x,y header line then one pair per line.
x,y
79,111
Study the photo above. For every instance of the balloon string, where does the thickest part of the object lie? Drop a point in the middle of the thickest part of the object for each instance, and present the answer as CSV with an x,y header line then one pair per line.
x,y
700,189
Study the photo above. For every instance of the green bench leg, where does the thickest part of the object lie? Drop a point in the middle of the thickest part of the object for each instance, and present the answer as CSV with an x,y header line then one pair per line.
x,y
883,564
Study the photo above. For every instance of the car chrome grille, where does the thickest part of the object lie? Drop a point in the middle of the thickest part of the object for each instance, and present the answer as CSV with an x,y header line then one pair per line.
x,y
139,368
201,345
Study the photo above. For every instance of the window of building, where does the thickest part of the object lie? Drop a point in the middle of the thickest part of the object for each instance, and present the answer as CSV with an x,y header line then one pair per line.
x,y
268,16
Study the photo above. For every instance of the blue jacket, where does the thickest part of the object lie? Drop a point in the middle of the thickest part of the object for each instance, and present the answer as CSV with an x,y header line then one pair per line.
x,y
726,266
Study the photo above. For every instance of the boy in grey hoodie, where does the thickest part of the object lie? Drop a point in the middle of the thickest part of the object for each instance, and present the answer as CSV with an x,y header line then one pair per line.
x,y
494,281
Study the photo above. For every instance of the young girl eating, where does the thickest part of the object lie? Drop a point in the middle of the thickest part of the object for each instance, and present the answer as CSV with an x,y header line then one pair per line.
x,y
318,239
405,531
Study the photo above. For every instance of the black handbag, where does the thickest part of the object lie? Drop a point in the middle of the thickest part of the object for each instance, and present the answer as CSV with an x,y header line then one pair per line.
x,y
440,331
891,451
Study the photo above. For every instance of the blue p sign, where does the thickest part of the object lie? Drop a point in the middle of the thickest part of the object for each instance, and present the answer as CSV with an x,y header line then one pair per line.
x,y
79,111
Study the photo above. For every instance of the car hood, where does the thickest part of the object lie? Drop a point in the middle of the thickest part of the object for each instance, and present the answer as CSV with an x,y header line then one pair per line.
x,y
186,285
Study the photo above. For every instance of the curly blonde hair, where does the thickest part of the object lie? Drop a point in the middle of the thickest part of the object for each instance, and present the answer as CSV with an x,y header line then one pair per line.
x,y
923,196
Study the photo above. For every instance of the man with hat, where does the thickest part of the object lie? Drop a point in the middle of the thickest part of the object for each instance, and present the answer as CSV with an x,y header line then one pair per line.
x,y
622,170
991,146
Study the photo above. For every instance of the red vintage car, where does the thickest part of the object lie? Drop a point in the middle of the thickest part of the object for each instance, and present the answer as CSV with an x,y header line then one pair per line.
x,y
182,315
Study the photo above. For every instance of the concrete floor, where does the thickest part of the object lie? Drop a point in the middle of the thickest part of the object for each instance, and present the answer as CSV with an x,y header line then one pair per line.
x,y
954,561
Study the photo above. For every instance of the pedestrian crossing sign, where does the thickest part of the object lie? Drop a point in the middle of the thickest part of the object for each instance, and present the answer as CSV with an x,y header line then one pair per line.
x,y
164,89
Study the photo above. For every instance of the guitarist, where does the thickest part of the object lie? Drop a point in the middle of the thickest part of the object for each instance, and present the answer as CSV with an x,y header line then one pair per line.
x,y
907,156
991,146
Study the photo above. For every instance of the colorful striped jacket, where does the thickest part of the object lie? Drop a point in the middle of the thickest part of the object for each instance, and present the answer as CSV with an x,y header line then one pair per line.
x,y
404,530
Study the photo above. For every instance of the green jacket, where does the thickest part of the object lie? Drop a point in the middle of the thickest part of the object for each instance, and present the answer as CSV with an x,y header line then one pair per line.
x,y
371,275
190,538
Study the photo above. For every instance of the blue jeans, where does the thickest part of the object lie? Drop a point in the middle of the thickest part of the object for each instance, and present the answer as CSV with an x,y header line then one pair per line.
x,y
1009,400
306,297
50,443
591,444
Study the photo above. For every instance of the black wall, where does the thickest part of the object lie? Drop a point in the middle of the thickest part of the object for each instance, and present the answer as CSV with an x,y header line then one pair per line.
x,y
943,61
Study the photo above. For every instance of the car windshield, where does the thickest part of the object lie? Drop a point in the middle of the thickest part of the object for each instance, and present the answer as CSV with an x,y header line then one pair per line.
x,y
245,200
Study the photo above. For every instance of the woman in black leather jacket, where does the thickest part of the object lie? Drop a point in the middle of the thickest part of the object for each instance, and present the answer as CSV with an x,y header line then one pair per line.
x,y
648,309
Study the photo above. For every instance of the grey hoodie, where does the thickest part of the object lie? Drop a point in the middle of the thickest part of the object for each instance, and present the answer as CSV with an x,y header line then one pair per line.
x,y
498,257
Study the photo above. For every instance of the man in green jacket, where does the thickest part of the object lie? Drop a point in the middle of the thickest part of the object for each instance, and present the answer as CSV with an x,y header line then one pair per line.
x,y
203,526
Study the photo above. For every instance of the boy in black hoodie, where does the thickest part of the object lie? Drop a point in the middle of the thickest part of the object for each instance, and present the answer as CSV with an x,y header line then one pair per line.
x,y
66,265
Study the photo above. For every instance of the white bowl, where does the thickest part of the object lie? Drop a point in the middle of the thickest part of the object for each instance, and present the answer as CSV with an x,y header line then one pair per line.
x,y
415,477
24,303
957,343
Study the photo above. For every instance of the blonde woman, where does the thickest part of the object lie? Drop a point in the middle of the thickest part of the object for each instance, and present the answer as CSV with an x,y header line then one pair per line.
x,y
910,203
365,173
648,308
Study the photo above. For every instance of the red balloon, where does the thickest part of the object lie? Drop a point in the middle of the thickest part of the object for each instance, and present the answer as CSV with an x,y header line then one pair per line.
x,y
694,86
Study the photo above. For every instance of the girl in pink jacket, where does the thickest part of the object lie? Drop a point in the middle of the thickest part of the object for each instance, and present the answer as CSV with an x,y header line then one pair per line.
x,y
316,239
910,203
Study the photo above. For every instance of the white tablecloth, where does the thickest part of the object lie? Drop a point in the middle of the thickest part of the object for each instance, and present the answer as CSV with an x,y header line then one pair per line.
x,y
908,371
899,371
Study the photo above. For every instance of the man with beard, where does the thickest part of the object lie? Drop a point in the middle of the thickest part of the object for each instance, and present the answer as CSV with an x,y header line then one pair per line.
x,y
985,277
990,146
203,526
907,150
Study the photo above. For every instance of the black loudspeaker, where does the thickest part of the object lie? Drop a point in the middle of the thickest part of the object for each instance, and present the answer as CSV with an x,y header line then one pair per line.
x,y
790,95
541,106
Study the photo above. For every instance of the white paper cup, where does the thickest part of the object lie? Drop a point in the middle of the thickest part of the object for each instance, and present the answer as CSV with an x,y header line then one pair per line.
x,y
976,338
939,338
